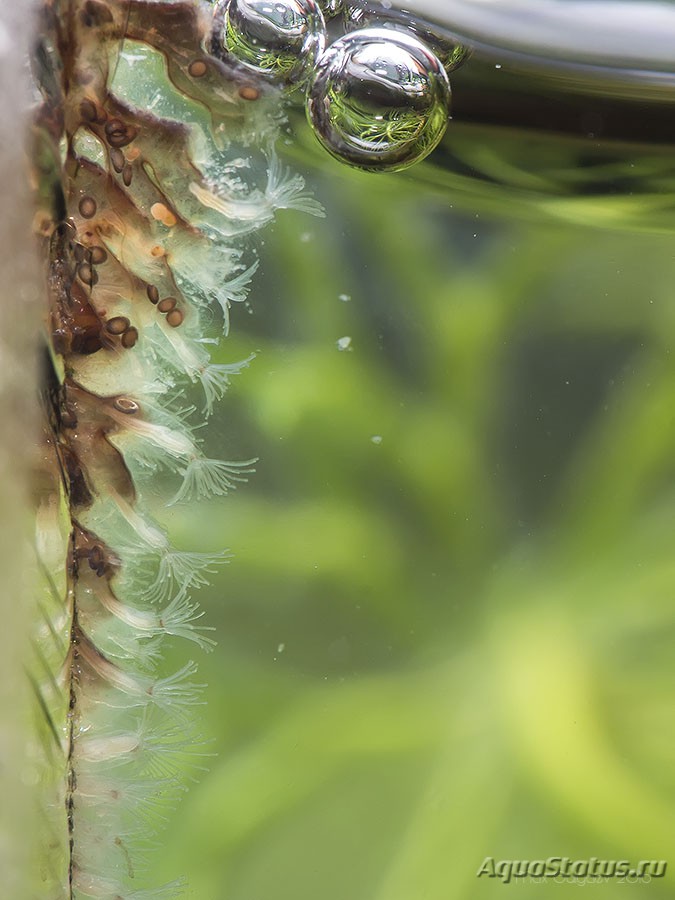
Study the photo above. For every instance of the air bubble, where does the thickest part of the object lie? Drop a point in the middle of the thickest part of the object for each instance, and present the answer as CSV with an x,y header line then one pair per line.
x,y
449,50
280,39
379,99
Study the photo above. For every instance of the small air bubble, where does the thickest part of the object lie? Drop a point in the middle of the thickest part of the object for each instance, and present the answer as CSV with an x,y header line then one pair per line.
x,y
344,343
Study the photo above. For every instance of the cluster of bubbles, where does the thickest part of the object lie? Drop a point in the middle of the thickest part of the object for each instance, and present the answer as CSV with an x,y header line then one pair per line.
x,y
378,98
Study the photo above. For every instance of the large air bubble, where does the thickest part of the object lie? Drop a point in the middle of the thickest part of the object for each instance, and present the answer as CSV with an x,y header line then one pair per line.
x,y
379,99
280,39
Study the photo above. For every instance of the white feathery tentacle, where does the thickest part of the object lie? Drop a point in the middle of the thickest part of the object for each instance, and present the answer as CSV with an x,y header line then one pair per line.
x,y
204,478
145,263
215,379
177,618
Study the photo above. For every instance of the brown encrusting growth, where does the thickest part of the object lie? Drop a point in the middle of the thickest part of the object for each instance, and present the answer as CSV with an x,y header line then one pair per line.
x,y
119,212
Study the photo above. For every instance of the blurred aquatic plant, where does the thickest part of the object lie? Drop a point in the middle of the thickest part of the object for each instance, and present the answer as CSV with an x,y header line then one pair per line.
x,y
448,629
18,363
449,616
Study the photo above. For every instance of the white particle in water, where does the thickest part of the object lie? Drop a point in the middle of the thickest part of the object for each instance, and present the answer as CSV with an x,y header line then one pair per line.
x,y
344,343
344,297
376,439
281,648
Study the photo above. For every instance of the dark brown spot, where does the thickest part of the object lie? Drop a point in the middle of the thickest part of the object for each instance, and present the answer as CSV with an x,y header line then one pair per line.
x,y
167,304
98,255
197,68
121,140
117,325
129,338
65,229
153,293
175,318
96,559
95,13
79,493
99,11
76,326
88,111
126,405
114,126
43,224
87,274
99,556
87,207
80,252
117,159
127,175
248,92
89,344
118,133
68,417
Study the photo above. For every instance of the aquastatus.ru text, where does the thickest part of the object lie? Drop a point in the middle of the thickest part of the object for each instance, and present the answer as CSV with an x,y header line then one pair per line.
x,y
562,867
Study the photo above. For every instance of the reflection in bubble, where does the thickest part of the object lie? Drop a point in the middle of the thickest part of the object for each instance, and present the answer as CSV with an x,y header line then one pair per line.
x,y
450,51
331,7
280,39
379,99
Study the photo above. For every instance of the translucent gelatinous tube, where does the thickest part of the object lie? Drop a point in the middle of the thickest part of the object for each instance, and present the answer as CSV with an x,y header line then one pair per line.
x,y
138,216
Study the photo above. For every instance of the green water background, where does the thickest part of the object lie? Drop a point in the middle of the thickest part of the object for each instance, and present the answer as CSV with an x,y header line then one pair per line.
x,y
447,630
